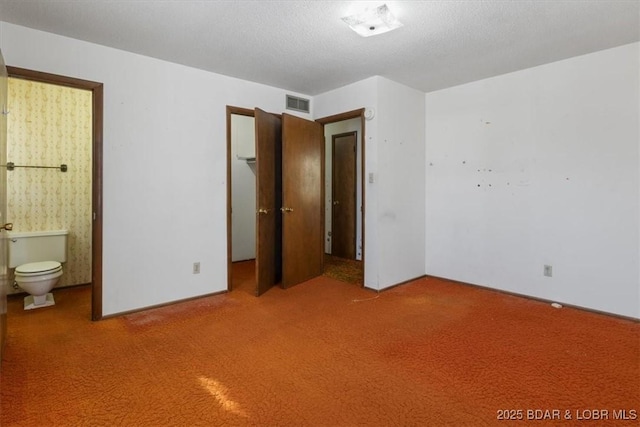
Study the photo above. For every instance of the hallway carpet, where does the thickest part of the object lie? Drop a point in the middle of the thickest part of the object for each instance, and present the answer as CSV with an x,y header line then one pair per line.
x,y
343,269
323,353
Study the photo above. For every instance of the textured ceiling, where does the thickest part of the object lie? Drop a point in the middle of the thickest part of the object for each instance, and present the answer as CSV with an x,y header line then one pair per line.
x,y
304,46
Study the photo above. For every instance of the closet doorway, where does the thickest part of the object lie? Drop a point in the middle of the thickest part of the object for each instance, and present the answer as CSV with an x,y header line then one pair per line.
x,y
95,212
288,167
288,223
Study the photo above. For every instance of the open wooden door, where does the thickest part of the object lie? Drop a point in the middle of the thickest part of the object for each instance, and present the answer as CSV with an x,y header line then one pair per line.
x,y
268,200
302,204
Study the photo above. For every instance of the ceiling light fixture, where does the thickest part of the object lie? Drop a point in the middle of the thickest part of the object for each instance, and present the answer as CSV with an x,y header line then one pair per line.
x,y
372,22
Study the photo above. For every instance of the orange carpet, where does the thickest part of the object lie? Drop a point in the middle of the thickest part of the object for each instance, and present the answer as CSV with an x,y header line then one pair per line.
x,y
324,353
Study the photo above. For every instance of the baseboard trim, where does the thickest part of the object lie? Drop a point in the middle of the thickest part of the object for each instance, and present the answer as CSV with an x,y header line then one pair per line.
x,y
151,307
548,301
397,284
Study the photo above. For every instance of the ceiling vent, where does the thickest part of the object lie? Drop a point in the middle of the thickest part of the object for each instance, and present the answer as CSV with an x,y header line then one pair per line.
x,y
297,104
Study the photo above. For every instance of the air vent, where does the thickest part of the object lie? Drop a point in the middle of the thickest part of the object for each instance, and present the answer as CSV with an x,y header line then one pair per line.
x,y
297,104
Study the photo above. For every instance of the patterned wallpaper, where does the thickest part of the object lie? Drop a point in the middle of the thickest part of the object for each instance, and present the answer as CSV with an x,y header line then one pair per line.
x,y
49,125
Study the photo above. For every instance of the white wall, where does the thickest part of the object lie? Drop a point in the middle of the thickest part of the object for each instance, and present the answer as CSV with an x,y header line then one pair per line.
x,y
540,167
401,183
164,159
394,154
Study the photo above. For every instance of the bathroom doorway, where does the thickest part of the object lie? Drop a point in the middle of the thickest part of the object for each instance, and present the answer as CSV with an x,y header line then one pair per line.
x,y
91,214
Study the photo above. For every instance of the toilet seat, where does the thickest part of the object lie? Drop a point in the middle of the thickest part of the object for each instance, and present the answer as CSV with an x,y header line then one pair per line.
x,y
38,268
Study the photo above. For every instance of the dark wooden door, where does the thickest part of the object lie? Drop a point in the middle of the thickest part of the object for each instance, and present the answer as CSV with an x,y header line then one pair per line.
x,y
343,198
268,200
302,204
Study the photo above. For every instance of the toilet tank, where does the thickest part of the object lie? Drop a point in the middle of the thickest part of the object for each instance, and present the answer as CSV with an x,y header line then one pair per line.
x,y
37,246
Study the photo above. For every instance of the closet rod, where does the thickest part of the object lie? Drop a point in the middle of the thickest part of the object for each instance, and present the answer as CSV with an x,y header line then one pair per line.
x,y
11,166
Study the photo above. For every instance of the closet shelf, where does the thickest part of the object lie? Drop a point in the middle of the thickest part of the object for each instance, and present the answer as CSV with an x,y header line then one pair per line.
x,y
247,159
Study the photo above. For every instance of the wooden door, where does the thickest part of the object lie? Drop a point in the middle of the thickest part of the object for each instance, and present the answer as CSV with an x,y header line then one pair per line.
x,y
302,204
343,198
3,204
268,200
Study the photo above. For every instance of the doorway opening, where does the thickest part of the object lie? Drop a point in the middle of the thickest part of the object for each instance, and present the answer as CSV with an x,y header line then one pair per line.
x,y
344,195
303,168
241,199
344,201
95,212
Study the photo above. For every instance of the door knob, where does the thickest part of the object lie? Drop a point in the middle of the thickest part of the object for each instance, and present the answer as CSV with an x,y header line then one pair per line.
x,y
336,202
263,211
8,226
286,209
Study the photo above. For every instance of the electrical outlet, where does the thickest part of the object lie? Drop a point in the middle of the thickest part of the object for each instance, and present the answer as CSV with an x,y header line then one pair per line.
x,y
196,268
548,270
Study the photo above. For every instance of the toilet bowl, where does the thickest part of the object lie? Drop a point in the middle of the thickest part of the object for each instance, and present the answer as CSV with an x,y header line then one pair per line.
x,y
38,278
37,259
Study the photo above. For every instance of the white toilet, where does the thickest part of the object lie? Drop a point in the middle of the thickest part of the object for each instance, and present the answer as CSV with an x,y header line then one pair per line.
x,y
37,258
